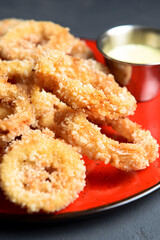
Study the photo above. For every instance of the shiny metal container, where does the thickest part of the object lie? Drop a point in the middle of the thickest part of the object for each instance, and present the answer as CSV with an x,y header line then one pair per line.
x,y
142,80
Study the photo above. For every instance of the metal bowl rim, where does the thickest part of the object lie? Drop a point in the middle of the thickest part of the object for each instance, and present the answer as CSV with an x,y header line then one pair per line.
x,y
104,34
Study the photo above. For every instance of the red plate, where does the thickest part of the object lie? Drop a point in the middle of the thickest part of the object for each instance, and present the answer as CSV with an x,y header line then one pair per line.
x,y
106,187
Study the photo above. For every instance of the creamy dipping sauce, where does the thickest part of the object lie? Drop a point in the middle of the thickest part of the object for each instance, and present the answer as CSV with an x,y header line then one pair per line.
x,y
134,53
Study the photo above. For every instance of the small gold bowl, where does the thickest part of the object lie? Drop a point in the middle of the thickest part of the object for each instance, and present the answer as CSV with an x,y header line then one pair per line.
x,y
142,80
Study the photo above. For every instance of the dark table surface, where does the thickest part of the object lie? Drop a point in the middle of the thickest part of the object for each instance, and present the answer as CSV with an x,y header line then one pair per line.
x,y
87,19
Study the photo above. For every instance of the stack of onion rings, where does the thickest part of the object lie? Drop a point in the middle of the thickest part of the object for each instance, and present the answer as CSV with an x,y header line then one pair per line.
x,y
48,82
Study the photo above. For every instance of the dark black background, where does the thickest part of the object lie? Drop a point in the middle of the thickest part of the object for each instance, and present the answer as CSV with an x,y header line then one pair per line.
x,y
87,19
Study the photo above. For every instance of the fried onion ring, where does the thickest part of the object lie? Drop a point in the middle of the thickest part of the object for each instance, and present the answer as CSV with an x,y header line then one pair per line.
x,y
76,130
146,145
42,173
29,39
92,72
52,75
32,37
16,112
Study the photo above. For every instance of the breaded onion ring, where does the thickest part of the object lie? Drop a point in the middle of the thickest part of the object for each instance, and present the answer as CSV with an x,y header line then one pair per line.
x,y
92,72
31,34
30,38
76,130
16,112
52,75
42,173
145,144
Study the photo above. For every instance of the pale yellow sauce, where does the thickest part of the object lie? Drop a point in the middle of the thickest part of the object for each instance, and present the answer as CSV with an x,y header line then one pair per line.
x,y
135,53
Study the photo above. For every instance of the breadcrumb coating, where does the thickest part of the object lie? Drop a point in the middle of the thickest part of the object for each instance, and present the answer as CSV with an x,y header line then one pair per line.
x,y
16,111
75,129
17,71
95,66
28,40
42,173
142,138
52,75
49,81
45,105
92,72
86,137
81,50
7,24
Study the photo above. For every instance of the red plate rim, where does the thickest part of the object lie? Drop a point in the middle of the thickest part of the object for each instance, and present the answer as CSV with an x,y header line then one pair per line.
x,y
79,214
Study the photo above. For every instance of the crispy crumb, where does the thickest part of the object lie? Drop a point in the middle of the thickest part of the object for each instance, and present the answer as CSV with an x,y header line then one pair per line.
x,y
42,173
